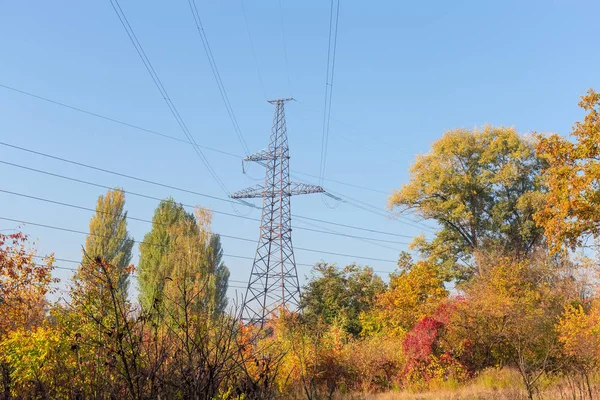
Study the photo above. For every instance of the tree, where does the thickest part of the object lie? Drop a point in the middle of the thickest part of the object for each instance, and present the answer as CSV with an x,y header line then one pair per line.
x,y
108,331
414,292
482,187
108,236
340,294
509,315
221,272
24,284
579,334
157,244
181,244
572,176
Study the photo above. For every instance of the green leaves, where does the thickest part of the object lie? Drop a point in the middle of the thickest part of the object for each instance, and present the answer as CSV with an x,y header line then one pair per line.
x,y
480,186
340,295
108,236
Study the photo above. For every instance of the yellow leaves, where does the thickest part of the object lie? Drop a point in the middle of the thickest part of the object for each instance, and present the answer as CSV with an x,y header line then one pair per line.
x,y
412,295
572,177
579,334
33,356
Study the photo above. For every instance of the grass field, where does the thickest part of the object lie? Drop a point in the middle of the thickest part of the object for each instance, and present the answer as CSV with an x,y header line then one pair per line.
x,y
498,385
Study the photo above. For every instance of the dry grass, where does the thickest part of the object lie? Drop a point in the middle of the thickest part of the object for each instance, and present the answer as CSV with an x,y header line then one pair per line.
x,y
496,385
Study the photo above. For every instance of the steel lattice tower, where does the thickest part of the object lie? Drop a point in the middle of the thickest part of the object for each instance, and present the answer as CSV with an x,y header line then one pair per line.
x,y
273,282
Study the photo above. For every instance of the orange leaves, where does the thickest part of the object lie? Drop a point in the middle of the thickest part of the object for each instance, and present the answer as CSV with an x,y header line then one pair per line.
x,y
579,333
23,284
572,178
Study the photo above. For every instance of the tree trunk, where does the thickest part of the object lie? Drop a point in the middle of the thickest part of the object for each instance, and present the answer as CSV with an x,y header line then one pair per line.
x,y
587,383
5,382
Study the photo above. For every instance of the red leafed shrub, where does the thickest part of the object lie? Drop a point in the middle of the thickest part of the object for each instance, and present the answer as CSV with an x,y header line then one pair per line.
x,y
425,359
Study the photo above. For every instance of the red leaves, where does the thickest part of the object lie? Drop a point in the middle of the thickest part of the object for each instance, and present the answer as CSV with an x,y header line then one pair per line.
x,y
23,283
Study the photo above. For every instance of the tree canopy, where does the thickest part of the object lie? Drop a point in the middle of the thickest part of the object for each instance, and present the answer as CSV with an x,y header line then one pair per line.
x,y
108,237
340,295
180,245
572,175
482,187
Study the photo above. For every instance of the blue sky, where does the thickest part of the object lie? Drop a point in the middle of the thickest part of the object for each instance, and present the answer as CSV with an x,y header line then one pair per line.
x,y
405,73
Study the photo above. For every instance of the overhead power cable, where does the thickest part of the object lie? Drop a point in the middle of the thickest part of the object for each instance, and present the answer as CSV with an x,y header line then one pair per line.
x,y
170,137
217,75
285,53
104,117
159,245
158,184
229,280
188,142
331,45
64,204
157,82
65,260
260,79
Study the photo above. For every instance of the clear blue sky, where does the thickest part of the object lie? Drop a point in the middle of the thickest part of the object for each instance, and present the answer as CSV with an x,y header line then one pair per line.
x,y
405,73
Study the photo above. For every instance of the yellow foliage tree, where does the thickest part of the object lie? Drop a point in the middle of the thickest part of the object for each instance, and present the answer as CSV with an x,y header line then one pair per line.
x,y
579,333
572,178
24,283
414,292
509,314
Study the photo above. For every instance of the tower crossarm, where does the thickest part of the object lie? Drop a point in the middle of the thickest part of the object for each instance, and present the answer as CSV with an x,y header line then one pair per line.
x,y
250,193
263,155
304,188
259,191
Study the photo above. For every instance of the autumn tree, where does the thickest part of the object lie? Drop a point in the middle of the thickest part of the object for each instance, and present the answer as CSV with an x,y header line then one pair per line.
x,y
482,187
509,314
108,237
24,283
334,294
415,291
106,331
573,174
579,333
218,268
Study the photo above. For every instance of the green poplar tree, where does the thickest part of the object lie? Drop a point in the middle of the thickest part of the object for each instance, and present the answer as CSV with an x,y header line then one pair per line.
x,y
179,242
108,237
220,271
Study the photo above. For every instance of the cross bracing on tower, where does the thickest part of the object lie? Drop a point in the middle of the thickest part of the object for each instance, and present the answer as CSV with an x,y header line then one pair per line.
x,y
273,282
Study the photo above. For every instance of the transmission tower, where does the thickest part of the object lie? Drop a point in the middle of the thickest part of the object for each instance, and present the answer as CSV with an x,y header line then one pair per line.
x,y
273,282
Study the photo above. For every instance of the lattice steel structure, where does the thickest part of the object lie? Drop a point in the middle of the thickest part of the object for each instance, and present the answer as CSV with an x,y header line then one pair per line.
x,y
273,281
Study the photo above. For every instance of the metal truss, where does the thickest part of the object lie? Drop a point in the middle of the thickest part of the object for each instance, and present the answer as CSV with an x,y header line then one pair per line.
x,y
273,282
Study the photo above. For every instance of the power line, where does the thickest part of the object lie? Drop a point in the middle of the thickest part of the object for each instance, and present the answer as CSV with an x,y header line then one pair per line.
x,y
188,205
376,210
229,280
188,142
157,82
104,117
158,245
139,179
329,85
60,203
285,55
116,173
372,241
216,74
166,136
260,79
158,184
65,260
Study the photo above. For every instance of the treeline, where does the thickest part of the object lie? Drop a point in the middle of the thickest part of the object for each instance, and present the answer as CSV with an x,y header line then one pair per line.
x,y
502,282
